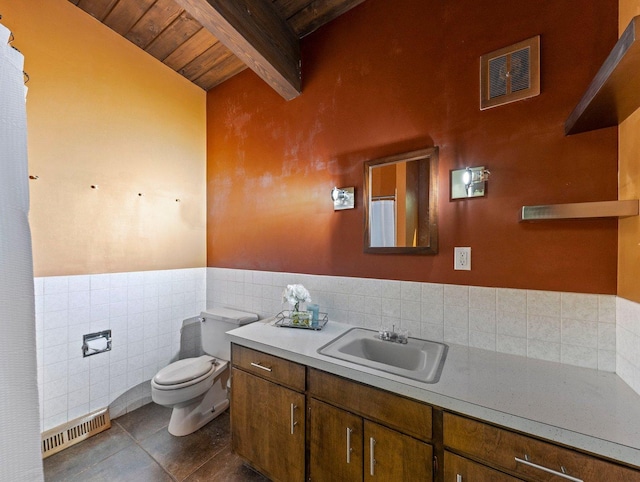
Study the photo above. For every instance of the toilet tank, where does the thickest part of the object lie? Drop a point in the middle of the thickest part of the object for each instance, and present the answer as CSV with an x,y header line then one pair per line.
x,y
216,322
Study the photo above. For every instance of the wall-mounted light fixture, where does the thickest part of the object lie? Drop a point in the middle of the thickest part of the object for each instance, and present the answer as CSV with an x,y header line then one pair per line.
x,y
469,182
343,198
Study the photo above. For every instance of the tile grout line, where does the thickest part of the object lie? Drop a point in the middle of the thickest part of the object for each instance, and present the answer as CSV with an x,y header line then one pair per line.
x,y
86,469
173,477
205,462
225,446
145,451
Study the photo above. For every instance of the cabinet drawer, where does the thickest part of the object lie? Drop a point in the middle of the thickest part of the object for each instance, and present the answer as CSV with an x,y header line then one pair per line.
x,y
501,448
459,469
403,414
269,367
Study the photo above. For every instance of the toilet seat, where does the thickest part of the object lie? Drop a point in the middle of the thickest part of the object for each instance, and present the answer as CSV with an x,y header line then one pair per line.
x,y
183,373
188,373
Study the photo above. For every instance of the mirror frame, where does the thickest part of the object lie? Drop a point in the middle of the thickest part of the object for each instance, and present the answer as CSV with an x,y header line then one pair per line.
x,y
429,155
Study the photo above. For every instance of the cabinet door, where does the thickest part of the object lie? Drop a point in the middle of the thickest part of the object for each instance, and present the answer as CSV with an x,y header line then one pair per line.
x,y
335,448
459,469
268,426
392,456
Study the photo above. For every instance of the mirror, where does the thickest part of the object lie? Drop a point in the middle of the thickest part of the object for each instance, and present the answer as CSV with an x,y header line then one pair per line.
x,y
400,203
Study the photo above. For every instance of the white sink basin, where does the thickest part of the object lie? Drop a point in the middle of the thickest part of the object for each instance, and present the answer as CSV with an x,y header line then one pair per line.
x,y
418,359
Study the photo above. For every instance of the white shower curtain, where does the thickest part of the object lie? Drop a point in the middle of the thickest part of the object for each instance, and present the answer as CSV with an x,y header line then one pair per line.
x,y
20,456
383,223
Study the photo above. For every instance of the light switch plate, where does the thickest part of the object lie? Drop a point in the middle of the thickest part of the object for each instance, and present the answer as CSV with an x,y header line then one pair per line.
x,y
462,259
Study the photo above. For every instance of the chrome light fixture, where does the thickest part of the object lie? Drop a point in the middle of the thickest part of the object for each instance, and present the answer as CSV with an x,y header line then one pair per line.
x,y
469,182
343,198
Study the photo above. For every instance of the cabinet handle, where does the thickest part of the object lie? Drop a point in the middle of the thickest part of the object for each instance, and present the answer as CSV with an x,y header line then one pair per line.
x,y
293,423
349,449
372,458
525,461
262,367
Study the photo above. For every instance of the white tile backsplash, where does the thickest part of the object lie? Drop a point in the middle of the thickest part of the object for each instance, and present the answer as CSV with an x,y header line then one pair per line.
x,y
455,295
544,328
579,356
486,341
482,299
145,311
579,306
544,303
543,350
628,342
511,300
574,328
513,345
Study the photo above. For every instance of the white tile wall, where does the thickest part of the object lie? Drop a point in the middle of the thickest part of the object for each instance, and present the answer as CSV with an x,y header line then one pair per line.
x,y
144,310
577,329
628,342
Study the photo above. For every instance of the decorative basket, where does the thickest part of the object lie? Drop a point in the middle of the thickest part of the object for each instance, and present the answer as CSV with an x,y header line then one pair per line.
x,y
300,319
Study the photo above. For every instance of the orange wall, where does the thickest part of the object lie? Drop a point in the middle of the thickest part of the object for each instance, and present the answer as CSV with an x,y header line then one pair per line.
x,y
629,228
101,111
389,77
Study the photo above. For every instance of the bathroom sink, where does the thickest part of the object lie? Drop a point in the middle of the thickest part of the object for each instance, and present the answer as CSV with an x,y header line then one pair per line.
x,y
417,359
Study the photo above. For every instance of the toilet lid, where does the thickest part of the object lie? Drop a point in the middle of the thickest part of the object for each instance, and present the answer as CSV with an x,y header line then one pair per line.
x,y
184,370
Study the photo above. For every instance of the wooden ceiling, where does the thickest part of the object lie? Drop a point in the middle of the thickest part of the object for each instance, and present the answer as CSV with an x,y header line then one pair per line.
x,y
210,41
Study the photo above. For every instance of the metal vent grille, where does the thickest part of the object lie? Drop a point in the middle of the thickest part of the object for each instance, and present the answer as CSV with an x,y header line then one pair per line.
x,y
520,70
497,77
70,433
510,74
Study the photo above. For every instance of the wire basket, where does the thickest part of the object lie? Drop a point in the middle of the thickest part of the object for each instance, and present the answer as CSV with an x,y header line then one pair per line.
x,y
287,319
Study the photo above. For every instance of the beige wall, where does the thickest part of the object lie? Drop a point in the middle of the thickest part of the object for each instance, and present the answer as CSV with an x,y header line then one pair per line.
x,y
629,185
103,112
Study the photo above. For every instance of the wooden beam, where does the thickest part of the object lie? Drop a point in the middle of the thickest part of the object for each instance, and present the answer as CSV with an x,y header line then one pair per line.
x,y
318,13
254,31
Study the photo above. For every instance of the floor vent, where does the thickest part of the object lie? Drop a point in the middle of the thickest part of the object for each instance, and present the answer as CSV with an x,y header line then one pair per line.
x,y
70,433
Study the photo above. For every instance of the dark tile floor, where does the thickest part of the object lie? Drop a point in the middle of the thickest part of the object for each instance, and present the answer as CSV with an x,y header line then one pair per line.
x,y
139,448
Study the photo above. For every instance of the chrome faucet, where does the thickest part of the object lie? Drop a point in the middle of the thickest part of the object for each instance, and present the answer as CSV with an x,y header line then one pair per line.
x,y
386,335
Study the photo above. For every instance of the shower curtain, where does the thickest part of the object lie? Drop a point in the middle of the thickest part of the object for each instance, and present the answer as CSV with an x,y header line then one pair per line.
x,y
20,456
383,223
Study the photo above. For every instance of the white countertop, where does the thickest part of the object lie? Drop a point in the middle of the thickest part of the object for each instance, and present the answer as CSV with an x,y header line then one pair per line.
x,y
588,409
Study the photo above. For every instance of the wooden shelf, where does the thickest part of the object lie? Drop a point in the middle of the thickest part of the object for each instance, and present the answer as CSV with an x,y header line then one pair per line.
x,y
614,93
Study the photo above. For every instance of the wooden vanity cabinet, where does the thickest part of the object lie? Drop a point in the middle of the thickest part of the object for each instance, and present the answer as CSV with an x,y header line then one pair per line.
x,y
268,413
290,421
357,432
525,458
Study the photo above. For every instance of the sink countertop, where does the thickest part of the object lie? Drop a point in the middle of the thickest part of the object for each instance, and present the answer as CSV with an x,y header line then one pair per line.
x,y
588,409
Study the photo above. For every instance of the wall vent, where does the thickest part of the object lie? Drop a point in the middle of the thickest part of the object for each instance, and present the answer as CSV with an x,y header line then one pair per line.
x,y
70,433
510,74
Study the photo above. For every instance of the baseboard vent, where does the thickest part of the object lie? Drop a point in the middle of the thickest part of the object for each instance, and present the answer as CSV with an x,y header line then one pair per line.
x,y
74,431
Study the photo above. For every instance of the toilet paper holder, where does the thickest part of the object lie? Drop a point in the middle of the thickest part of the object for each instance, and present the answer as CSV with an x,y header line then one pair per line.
x,y
94,343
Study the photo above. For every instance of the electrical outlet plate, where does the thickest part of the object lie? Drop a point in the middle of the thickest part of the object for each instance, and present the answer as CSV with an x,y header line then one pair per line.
x,y
462,259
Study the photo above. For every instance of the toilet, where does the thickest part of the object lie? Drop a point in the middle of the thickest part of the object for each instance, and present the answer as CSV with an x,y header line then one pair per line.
x,y
196,388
